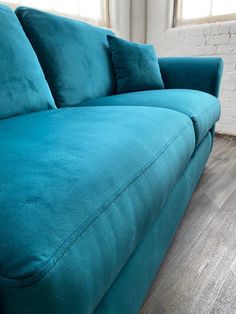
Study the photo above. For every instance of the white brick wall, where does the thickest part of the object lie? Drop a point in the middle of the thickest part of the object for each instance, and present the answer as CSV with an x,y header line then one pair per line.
x,y
217,39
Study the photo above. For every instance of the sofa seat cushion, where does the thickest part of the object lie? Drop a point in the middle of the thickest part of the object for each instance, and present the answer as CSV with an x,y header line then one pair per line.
x,y
74,56
78,189
201,107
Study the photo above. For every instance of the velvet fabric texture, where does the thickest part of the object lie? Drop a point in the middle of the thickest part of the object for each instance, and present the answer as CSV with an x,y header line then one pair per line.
x,y
90,197
74,56
202,108
200,73
136,66
85,204
23,87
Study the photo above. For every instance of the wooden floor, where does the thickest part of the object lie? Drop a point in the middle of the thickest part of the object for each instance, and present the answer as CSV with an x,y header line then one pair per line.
x,y
198,274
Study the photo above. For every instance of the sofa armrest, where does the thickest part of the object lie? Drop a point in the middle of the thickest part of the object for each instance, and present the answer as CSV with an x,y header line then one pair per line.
x,y
198,73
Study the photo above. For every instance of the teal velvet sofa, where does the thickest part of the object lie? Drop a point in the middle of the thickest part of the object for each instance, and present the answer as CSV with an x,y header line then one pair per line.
x,y
93,185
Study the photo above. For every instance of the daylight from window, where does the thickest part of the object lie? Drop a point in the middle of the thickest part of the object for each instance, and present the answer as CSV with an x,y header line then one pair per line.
x,y
193,9
91,9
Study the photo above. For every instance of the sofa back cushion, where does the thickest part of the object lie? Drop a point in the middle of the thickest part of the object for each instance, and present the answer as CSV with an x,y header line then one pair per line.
x,y
74,56
23,87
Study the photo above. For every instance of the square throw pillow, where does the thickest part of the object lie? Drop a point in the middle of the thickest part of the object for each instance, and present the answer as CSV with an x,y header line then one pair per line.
x,y
23,87
136,66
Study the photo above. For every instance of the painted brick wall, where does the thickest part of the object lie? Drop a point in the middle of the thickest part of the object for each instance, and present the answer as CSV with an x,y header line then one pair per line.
x,y
217,39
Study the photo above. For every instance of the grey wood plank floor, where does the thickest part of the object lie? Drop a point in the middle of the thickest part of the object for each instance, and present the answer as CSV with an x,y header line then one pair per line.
x,y
198,275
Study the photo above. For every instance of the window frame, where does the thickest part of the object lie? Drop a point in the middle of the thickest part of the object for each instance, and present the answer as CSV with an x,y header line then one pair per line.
x,y
178,22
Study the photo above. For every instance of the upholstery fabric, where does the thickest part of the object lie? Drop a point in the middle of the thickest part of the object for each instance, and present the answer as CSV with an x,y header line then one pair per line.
x,y
136,66
202,73
141,268
202,108
90,197
74,56
23,87
80,208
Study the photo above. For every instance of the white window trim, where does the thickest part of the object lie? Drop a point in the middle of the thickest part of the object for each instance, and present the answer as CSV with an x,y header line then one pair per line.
x,y
177,21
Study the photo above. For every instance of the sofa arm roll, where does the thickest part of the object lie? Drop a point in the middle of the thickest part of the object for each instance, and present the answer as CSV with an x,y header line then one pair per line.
x,y
198,73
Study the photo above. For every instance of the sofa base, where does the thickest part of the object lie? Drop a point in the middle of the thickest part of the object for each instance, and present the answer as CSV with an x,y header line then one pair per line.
x,y
127,293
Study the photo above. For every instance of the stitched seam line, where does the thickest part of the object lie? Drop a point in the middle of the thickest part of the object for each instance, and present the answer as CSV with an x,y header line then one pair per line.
x,y
46,268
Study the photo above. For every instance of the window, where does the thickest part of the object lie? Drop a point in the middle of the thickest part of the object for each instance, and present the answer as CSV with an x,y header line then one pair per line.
x,y
201,11
93,11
